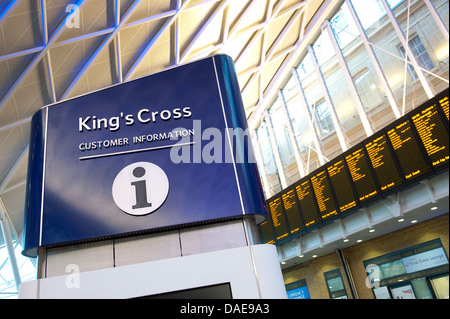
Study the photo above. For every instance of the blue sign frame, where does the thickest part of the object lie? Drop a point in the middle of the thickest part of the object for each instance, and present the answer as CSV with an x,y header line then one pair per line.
x,y
185,128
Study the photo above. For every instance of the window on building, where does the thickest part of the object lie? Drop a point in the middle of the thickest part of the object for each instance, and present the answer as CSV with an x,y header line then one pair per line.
x,y
27,271
281,133
323,117
367,89
266,150
343,26
297,290
335,284
392,4
305,68
371,11
421,54
419,272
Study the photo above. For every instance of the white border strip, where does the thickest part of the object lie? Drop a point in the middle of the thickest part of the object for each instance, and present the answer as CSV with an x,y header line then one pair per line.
x,y
135,151
44,161
229,138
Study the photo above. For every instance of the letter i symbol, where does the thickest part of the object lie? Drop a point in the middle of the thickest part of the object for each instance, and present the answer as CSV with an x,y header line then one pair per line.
x,y
140,189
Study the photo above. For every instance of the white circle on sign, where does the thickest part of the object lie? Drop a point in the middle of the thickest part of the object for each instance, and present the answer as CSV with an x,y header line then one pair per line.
x,y
140,188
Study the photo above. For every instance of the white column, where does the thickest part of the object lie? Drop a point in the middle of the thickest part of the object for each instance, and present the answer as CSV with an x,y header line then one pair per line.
x,y
437,18
276,152
348,78
376,64
309,118
4,228
420,74
326,95
292,138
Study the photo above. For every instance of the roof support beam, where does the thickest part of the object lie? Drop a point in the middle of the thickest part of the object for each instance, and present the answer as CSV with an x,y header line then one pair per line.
x,y
48,60
220,9
266,59
104,44
348,79
324,11
4,228
373,58
166,26
117,54
8,177
276,151
310,118
291,133
59,30
10,8
326,94
437,18
409,54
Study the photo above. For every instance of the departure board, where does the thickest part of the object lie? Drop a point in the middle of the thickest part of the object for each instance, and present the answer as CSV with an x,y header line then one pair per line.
x,y
340,180
405,152
442,100
362,177
307,203
434,135
266,232
383,163
324,197
292,211
278,219
406,147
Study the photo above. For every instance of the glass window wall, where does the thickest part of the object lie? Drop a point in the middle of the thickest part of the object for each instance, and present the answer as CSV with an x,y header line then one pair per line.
x,y
381,80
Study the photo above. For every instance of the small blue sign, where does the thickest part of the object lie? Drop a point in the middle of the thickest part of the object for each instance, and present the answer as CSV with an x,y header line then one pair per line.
x,y
298,293
163,151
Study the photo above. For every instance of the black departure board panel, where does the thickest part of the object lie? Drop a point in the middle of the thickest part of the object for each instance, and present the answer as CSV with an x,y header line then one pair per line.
x,y
362,177
442,100
343,189
433,133
278,218
307,202
292,210
383,163
407,150
412,148
324,196
266,233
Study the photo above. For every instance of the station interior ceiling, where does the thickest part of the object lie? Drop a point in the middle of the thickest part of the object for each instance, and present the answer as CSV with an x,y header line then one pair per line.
x,y
53,50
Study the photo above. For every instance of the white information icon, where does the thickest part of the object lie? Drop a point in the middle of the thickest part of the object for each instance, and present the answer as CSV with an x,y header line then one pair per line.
x,y
140,188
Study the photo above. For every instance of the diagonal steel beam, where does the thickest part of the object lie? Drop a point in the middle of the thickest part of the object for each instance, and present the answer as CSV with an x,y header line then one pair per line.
x,y
10,173
6,232
266,59
149,45
7,11
59,30
103,45
290,61
205,26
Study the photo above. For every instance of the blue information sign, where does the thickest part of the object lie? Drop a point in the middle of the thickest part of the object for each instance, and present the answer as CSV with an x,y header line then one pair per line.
x,y
163,151
298,293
